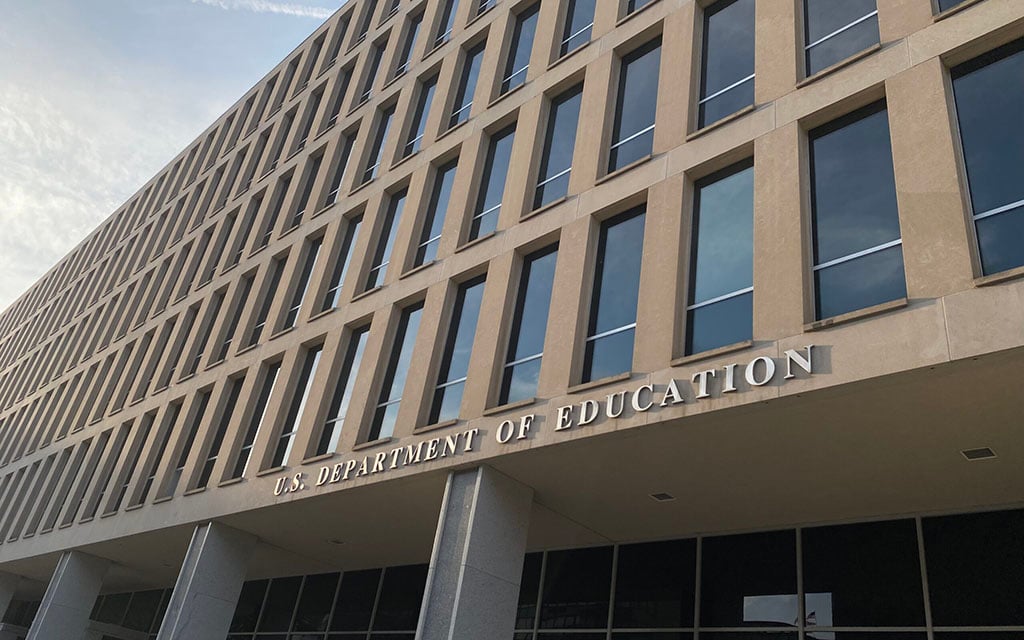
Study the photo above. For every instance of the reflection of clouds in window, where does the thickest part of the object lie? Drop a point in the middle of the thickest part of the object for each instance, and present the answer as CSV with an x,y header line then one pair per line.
x,y
773,610
818,612
726,224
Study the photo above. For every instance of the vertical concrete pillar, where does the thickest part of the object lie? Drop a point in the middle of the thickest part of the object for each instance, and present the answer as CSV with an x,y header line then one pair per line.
x,y
70,596
476,566
204,597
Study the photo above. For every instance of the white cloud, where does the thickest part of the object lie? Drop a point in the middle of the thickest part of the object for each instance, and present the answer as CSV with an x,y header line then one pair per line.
x,y
264,6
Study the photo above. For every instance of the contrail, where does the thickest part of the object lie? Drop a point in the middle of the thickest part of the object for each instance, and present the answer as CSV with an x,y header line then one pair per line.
x,y
265,6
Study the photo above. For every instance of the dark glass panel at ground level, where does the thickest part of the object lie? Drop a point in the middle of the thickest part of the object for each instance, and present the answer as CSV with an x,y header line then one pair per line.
x,y
749,580
867,635
354,605
576,589
529,591
314,610
280,604
398,606
247,611
654,585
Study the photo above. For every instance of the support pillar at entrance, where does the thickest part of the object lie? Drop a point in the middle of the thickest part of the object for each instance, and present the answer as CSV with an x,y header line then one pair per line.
x,y
211,577
475,569
70,596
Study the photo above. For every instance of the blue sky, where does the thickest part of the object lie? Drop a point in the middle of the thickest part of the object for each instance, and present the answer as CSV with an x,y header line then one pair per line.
x,y
96,96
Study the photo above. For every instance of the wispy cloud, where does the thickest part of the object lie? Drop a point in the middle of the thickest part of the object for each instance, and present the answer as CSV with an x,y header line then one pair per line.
x,y
265,6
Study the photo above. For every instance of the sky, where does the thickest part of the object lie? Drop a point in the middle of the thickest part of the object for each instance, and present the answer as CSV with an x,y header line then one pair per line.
x,y
96,96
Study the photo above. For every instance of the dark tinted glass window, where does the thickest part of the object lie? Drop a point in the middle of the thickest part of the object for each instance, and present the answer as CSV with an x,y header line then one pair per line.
x,y
297,407
948,4
341,262
394,378
863,575
727,69
492,187
577,586
113,607
976,568
280,604
858,256
837,29
467,85
749,581
455,360
269,295
636,5
353,607
376,55
256,420
303,284
579,22
989,98
720,308
407,46
419,121
386,240
633,131
142,610
519,50
247,611
377,150
314,609
398,608
654,585
447,21
437,208
609,347
331,433
559,144
344,152
529,591
529,324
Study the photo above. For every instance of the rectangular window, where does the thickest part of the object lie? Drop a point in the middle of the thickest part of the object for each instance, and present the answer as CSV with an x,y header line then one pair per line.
x,y
457,351
312,171
579,22
241,302
946,5
234,391
274,211
339,92
720,310
834,31
386,413
467,85
492,186
369,8
405,56
446,22
292,316
341,263
344,152
633,6
858,254
386,240
307,123
529,323
437,208
419,121
376,55
609,346
202,401
989,99
163,437
520,48
199,350
297,407
559,144
331,433
267,300
636,106
727,60
256,420
377,150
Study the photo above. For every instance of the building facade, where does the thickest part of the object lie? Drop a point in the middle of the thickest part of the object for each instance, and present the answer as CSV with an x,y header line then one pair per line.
x,y
548,320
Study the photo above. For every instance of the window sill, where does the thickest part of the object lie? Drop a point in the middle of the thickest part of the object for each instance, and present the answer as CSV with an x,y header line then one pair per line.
x,y
361,187
452,129
942,15
721,122
475,241
367,293
999,278
415,270
271,471
214,364
230,481
280,333
323,209
357,106
323,131
362,446
434,427
859,314
630,16
186,378
621,170
405,159
323,313
192,492
83,520
543,209
569,55
842,64
247,349
712,353
131,507
480,15
506,94
163,499
594,384
511,406
319,458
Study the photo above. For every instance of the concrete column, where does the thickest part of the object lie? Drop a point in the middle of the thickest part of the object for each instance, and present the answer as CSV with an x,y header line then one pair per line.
x,y
70,596
206,593
476,566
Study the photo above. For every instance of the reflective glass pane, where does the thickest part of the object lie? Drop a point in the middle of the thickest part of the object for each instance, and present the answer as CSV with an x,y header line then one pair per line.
x,y
728,59
520,48
354,604
576,589
863,575
386,241
617,278
749,581
280,604
437,209
842,45
529,591
142,610
467,85
343,391
720,324
651,635
579,19
398,608
113,608
637,101
533,304
314,610
654,585
999,241
608,356
868,635
520,381
948,4
559,144
459,347
723,238
247,611
420,119
823,18
860,283
492,188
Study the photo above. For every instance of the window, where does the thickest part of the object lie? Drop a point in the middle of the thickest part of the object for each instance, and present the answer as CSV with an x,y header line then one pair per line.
x,y
467,85
339,92
386,240
579,21
405,56
484,5
946,5
637,102
376,55
386,412
312,170
609,346
858,254
632,6
267,300
259,414
241,300
303,284
559,144
457,351
419,121
377,150
749,580
989,98
202,401
492,187
163,436
720,310
518,62
341,263
433,219
298,407
727,61
331,433
837,29
446,22
370,7
274,212
344,151
234,391
529,323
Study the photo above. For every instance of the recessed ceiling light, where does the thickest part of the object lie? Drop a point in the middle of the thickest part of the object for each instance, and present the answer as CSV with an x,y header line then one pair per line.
x,y
982,453
662,497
